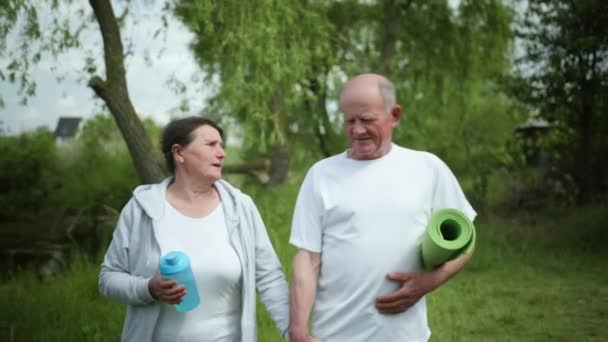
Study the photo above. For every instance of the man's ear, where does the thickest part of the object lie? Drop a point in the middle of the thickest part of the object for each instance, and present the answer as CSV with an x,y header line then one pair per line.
x,y
396,115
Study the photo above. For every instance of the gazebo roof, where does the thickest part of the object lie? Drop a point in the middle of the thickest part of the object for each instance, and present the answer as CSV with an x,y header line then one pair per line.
x,y
533,125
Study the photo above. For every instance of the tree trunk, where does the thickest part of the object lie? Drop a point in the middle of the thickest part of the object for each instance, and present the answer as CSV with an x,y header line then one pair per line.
x,y
586,164
280,157
115,94
258,168
326,137
392,21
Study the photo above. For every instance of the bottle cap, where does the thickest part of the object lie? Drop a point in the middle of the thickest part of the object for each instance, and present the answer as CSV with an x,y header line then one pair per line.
x,y
173,262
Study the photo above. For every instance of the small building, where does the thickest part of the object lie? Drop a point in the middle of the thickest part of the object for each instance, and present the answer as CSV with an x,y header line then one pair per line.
x,y
66,129
531,133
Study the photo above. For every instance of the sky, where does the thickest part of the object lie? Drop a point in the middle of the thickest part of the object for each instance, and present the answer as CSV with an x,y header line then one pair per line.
x,y
147,78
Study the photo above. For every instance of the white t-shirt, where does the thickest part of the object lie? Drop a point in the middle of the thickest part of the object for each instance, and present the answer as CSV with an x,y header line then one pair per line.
x,y
218,275
367,218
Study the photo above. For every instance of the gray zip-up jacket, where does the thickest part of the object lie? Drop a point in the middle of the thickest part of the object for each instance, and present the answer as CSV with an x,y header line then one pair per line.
x,y
133,255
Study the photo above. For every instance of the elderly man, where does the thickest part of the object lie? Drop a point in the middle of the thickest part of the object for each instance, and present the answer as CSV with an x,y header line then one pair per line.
x,y
358,223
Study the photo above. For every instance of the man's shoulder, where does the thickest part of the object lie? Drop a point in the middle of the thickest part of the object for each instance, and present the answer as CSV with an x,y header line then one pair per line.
x,y
424,161
329,162
416,155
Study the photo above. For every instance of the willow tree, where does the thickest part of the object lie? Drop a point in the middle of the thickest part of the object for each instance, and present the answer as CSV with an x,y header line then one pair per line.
x,y
280,64
264,56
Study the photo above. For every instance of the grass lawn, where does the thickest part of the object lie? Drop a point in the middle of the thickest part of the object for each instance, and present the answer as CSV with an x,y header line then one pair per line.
x,y
543,281
533,278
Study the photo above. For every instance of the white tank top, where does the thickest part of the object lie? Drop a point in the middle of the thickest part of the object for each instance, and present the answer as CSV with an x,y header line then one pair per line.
x,y
218,275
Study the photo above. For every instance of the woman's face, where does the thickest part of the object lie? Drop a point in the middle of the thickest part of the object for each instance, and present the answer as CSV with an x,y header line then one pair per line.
x,y
203,158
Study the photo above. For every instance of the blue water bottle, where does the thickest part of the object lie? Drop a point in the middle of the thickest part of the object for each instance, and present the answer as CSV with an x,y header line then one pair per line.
x,y
176,266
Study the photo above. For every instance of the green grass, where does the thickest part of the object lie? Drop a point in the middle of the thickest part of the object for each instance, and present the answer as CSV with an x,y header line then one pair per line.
x,y
68,308
534,278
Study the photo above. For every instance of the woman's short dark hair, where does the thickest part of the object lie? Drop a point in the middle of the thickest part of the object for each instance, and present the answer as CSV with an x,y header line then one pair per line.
x,y
179,132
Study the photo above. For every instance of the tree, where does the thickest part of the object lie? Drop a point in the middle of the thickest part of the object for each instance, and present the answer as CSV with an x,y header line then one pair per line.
x,y
277,67
113,90
261,53
444,64
563,76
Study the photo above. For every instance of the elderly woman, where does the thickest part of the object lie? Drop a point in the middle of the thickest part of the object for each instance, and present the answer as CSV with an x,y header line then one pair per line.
x,y
216,225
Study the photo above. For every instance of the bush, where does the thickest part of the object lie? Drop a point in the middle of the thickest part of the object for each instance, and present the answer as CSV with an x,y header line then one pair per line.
x,y
31,173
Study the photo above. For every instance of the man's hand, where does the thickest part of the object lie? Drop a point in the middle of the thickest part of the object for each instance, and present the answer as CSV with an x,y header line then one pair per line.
x,y
302,338
414,286
166,290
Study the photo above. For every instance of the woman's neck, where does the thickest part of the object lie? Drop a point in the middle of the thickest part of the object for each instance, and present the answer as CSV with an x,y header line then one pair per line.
x,y
192,198
191,190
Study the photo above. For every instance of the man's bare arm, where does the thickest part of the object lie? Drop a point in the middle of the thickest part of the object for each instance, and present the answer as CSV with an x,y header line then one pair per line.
x,y
306,267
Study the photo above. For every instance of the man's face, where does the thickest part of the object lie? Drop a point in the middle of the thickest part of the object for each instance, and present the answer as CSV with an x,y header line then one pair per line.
x,y
368,125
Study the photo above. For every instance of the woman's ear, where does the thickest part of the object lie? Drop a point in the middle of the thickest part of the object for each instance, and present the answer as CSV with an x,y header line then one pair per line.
x,y
176,150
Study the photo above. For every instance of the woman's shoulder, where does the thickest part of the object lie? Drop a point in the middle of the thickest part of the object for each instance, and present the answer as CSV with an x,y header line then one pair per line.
x,y
231,192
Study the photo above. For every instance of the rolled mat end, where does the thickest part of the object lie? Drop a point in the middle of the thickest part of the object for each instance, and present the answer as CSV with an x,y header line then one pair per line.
x,y
448,235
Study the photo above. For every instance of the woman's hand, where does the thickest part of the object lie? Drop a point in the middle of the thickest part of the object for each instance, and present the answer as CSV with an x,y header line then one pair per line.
x,y
166,290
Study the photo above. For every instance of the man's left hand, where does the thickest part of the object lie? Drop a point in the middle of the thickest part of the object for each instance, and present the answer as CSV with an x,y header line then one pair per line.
x,y
413,287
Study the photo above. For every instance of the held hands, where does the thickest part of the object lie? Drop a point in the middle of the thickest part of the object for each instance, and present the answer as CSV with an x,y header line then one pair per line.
x,y
305,338
301,335
166,290
414,286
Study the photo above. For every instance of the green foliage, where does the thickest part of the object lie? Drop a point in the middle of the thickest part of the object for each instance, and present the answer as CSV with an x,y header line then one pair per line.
x,y
563,76
259,52
41,177
104,170
453,105
30,175
280,66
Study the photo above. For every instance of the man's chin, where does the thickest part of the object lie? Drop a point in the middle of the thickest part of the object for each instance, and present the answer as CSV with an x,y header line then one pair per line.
x,y
363,153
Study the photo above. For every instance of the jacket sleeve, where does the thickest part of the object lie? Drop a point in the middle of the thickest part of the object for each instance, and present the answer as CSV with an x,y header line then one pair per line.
x,y
269,278
115,278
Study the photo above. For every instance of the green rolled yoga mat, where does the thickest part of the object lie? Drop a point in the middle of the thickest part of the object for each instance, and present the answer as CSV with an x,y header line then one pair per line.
x,y
448,235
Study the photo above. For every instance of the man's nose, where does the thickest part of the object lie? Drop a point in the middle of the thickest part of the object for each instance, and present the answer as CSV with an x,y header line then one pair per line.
x,y
358,128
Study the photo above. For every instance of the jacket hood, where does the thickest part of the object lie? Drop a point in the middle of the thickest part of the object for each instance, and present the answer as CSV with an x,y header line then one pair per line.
x,y
151,197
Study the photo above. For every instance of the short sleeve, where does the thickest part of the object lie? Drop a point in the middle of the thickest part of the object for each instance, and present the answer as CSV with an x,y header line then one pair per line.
x,y
306,231
447,193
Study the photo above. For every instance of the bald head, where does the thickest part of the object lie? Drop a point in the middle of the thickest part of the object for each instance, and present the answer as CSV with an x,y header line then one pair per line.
x,y
370,115
369,84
